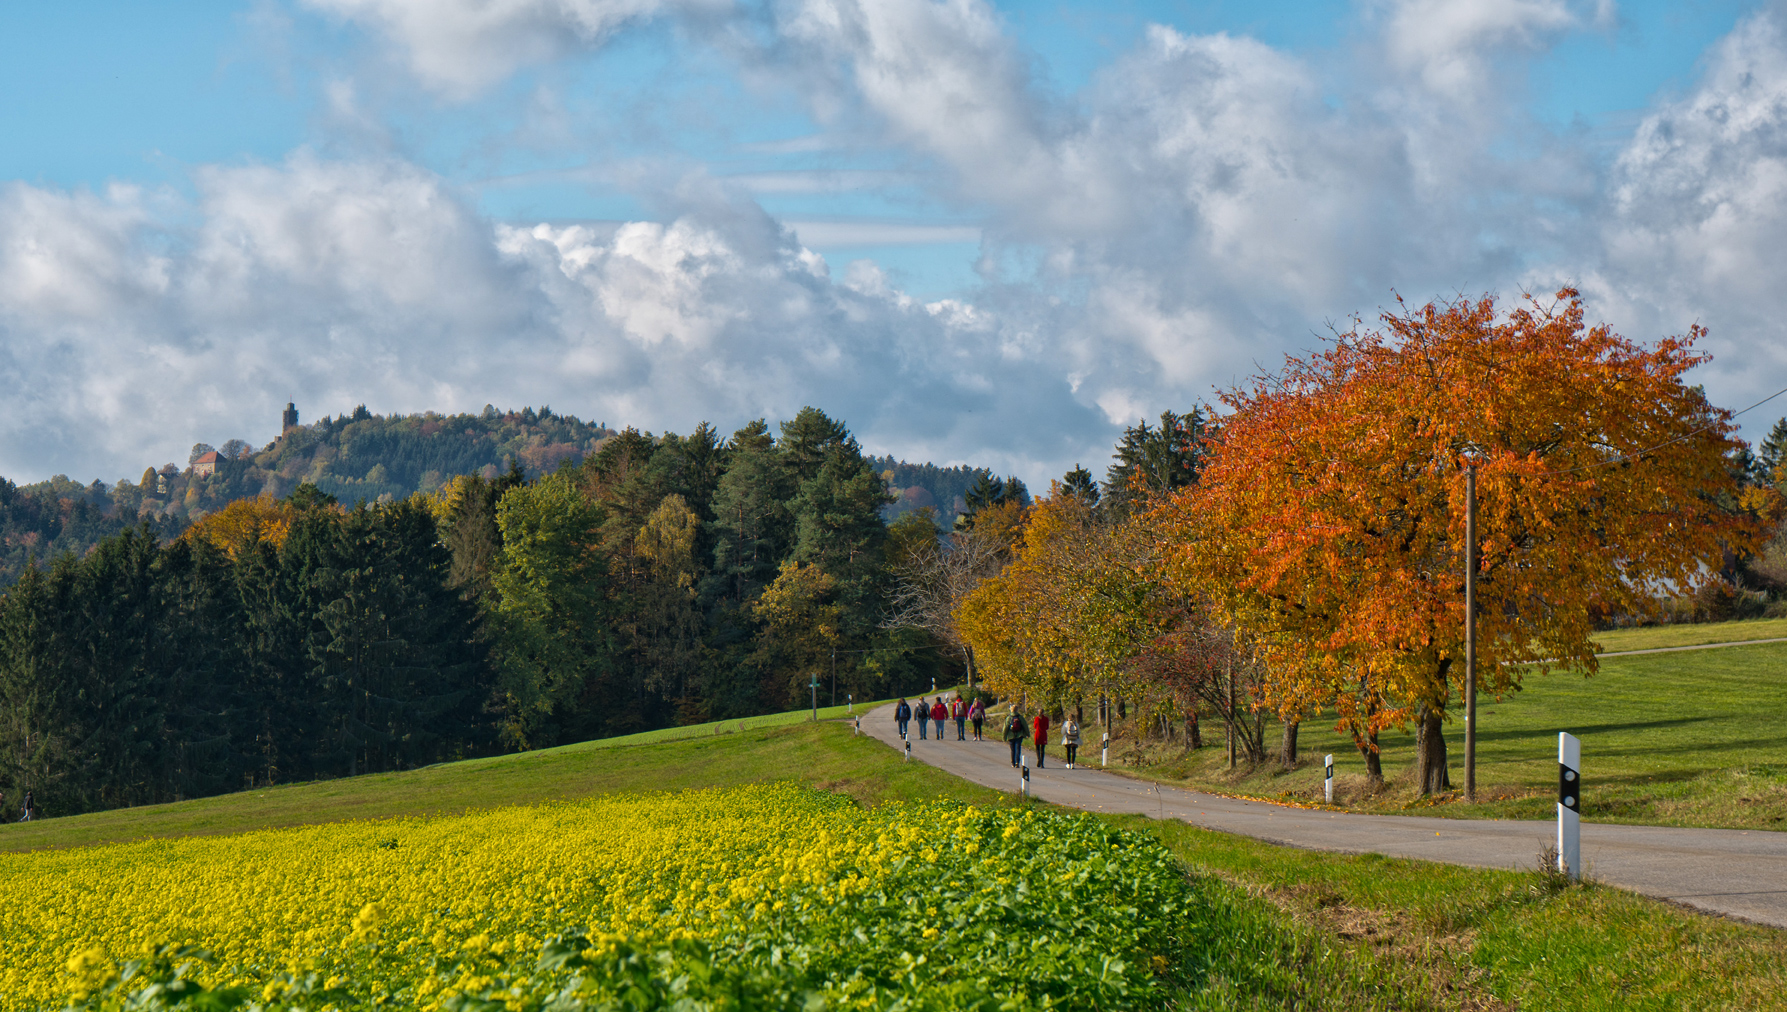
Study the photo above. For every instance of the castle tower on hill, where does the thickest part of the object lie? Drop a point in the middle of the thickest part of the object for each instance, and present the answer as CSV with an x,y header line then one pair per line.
x,y
289,420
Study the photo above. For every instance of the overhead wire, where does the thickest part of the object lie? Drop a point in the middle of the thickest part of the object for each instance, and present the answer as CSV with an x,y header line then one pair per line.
x,y
1633,455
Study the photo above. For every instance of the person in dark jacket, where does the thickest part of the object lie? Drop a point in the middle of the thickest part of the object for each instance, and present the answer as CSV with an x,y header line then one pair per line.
x,y
1015,729
1041,727
939,713
902,715
30,808
977,714
923,712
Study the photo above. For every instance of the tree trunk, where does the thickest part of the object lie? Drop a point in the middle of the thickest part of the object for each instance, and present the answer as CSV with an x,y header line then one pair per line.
x,y
1288,753
1374,764
1430,753
1193,733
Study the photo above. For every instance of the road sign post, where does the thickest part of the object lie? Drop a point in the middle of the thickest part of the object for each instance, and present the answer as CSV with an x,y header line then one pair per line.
x,y
1569,805
1328,780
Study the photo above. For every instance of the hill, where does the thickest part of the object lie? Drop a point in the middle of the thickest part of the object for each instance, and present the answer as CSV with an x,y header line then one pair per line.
x,y
359,455
1301,929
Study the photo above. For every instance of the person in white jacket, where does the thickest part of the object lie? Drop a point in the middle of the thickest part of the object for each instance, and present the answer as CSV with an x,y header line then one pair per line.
x,y
1070,737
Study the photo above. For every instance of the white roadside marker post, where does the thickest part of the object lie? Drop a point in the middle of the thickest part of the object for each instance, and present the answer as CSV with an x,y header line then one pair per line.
x,y
1024,779
856,728
1569,805
1328,780
1104,750
908,749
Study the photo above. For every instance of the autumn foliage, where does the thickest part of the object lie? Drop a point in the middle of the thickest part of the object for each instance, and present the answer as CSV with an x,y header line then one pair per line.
x,y
1330,518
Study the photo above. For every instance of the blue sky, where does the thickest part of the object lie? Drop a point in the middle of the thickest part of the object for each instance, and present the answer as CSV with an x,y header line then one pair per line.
x,y
981,233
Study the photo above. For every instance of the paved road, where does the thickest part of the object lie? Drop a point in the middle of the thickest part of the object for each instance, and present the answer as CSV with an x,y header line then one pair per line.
x,y
1737,873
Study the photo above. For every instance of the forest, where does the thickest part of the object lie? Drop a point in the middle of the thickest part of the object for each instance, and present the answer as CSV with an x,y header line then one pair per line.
x,y
658,580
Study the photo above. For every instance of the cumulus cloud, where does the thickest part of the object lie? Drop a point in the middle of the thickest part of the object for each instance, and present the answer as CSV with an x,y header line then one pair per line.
x,y
461,46
132,330
1695,214
1205,205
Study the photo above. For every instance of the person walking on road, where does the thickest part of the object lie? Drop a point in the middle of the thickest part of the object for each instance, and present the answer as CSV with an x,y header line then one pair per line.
x,y
977,714
1014,734
902,715
1070,738
30,808
939,713
958,711
923,712
1041,727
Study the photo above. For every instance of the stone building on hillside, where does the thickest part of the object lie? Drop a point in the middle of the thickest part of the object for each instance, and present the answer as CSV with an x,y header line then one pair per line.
x,y
206,465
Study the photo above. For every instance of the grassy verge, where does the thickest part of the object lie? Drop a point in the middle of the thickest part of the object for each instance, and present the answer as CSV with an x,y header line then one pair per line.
x,y
1675,739
1652,637
1301,930
796,751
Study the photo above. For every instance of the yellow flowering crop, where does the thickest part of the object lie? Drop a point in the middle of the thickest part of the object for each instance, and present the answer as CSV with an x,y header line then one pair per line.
x,y
762,895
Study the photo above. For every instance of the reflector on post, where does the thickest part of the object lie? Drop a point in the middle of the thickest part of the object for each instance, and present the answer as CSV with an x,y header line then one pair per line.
x,y
1569,805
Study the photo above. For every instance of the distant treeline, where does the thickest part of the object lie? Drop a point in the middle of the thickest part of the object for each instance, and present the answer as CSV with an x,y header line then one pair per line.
x,y
657,581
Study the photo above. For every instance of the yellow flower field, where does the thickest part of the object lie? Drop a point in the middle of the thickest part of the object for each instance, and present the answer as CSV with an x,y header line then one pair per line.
x,y
758,895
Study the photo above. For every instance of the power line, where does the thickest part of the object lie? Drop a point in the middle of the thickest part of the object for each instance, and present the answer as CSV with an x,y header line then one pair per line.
x,y
1622,458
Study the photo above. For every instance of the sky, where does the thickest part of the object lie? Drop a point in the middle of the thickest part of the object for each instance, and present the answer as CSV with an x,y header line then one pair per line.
x,y
978,233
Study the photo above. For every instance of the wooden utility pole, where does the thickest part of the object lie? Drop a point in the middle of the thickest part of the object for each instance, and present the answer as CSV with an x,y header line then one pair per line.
x,y
1470,633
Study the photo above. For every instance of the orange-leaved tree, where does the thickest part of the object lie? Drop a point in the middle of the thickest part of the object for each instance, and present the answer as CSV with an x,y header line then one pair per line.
x,y
1330,518
1075,604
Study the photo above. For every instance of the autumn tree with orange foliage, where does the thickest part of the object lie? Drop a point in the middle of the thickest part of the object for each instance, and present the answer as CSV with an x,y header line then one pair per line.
x,y
1330,519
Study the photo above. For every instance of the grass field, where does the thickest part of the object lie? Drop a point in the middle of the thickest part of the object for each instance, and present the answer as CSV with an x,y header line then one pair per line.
x,y
1692,738
1653,636
1300,930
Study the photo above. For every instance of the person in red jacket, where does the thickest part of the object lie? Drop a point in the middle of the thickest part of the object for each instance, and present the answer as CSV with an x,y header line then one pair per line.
x,y
958,712
939,713
1041,728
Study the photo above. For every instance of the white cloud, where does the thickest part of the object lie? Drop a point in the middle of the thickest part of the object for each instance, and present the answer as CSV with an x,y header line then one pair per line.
x,y
131,331
1451,45
462,46
1696,216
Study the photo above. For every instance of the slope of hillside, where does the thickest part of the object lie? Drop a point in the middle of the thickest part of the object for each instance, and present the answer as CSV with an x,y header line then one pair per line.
x,y
1302,929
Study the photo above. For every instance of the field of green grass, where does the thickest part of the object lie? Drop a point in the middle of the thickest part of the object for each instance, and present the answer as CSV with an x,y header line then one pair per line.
x,y
1691,738
1652,637
1302,930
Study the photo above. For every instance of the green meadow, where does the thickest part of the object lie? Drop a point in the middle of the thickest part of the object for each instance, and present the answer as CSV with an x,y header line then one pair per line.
x,y
1686,738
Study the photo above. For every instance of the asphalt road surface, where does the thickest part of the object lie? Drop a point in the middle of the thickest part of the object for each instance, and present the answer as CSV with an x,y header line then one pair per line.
x,y
1736,873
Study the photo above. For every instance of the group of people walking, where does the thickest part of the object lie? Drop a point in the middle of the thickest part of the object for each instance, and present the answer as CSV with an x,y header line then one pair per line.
x,y
959,710
963,712
1038,733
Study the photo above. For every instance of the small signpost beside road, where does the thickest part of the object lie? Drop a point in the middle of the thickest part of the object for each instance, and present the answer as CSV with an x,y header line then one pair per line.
x,y
1104,750
1024,779
908,749
1569,805
1328,780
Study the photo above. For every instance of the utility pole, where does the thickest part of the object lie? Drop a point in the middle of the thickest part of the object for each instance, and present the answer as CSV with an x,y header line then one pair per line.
x,y
814,685
1470,632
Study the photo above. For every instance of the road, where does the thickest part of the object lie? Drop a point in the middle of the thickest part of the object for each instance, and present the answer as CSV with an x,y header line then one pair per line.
x,y
1736,873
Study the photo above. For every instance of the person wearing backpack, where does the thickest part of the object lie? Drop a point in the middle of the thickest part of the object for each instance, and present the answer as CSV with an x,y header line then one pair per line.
x,y
958,711
923,712
977,715
1014,735
939,713
1041,727
1070,738
902,715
